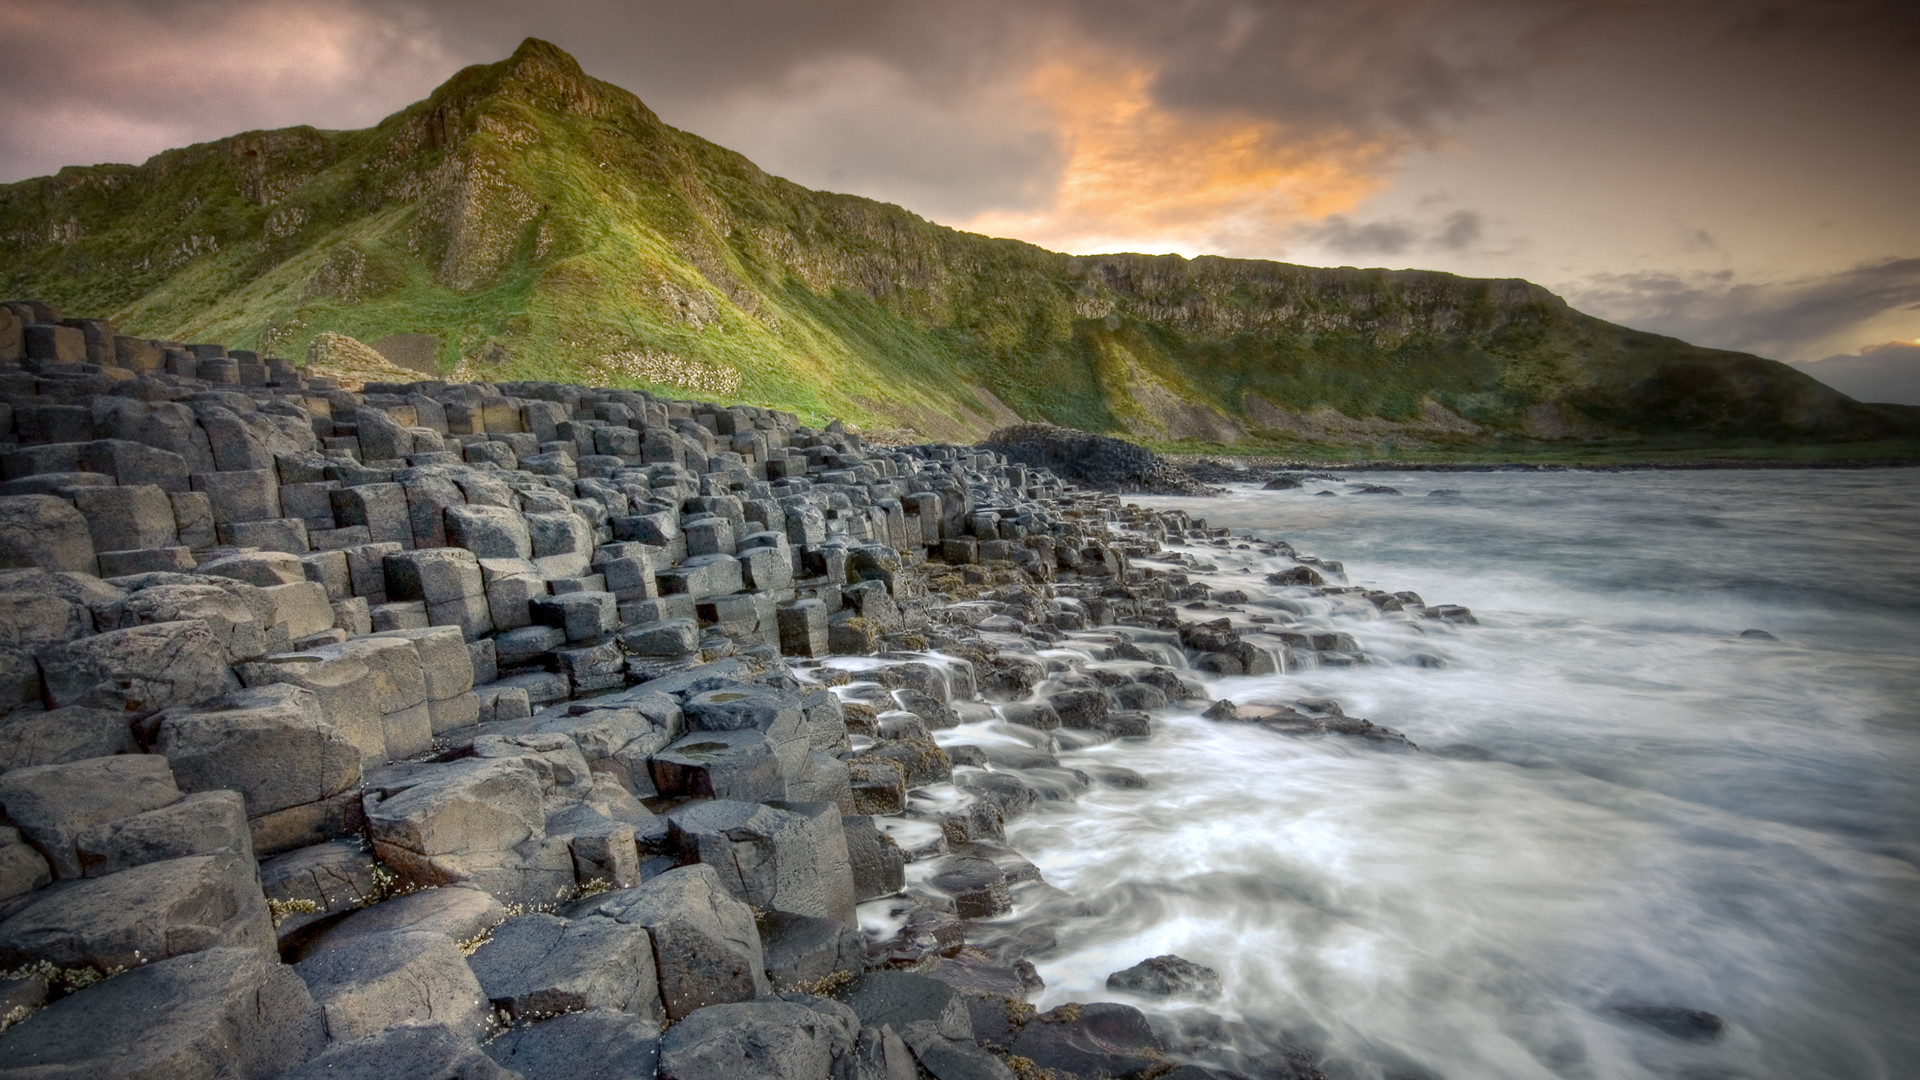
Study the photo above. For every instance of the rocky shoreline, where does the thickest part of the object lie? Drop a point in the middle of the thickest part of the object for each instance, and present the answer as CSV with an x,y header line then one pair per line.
x,y
461,730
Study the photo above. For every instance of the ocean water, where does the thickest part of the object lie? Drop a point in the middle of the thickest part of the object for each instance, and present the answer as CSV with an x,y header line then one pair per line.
x,y
1618,801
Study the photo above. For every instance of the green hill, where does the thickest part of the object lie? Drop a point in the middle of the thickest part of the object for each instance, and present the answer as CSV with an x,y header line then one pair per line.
x,y
536,222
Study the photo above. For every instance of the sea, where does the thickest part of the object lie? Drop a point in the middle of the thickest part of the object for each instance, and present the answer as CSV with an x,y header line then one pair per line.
x,y
1634,840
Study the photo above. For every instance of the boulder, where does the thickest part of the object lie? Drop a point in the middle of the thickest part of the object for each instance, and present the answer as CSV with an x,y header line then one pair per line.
x,y
537,966
149,912
271,743
139,670
756,1040
43,531
308,884
1099,1039
54,804
598,1044
417,1050
705,945
378,980
879,869
221,1012
739,765
201,824
222,608
458,912
127,518
477,820
1168,976
900,998
803,949
343,685
58,736
772,858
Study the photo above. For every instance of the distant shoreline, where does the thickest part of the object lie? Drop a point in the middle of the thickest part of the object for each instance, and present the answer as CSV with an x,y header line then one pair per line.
x,y
1262,466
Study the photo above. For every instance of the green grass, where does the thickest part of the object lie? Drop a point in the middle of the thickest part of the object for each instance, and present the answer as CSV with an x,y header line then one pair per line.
x,y
527,212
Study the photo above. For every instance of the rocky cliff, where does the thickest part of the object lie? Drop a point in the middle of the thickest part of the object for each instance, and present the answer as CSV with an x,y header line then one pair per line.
x,y
527,220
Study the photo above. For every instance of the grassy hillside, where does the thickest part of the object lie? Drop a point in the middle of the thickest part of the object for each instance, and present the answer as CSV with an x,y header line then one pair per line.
x,y
537,222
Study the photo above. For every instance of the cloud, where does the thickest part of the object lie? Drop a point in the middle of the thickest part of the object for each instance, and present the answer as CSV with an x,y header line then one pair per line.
x,y
1205,125
1344,237
1886,373
1794,320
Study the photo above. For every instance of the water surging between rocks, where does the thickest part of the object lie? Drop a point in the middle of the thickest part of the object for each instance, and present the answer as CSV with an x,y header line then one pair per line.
x,y
1631,842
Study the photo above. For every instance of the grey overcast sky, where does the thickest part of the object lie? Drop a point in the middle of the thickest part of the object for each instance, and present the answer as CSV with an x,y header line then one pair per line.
x,y
1739,173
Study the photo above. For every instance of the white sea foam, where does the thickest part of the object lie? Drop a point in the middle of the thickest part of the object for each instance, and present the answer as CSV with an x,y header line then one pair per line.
x,y
1618,799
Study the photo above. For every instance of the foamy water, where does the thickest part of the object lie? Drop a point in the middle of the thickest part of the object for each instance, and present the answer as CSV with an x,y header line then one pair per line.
x,y
1618,800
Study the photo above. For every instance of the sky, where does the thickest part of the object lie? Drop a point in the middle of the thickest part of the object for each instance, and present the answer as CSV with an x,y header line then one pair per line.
x,y
1739,173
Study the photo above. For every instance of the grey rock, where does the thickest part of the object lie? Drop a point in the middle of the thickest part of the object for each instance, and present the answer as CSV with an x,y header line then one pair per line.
x,y
757,1040
739,765
201,824
62,735
457,912
1168,976
378,980
413,1051
598,1044
271,743
139,915
878,867
54,804
899,999
538,966
1098,1039
331,877
222,1012
43,531
803,949
771,858
138,671
705,945
952,1059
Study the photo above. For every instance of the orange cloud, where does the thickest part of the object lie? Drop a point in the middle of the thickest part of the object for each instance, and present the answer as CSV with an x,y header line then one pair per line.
x,y
1141,177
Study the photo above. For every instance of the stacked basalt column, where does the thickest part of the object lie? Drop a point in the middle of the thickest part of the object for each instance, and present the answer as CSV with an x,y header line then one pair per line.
x,y
296,675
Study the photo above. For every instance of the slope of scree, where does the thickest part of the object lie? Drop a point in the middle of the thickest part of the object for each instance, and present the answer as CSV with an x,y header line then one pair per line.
x,y
528,221
486,728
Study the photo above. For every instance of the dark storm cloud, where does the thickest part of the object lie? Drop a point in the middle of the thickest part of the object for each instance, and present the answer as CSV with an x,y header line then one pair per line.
x,y
1780,320
1887,373
1397,236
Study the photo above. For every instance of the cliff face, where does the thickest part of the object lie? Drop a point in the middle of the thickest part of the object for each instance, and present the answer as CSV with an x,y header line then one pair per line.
x,y
540,223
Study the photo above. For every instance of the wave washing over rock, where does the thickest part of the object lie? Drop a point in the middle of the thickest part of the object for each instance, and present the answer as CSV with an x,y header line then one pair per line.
x,y
466,730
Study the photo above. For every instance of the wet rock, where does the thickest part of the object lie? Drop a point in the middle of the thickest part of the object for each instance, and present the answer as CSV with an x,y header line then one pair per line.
x,y
877,865
1168,976
1298,575
1099,1039
1675,1021
1758,635
803,949
219,1012
979,888
899,998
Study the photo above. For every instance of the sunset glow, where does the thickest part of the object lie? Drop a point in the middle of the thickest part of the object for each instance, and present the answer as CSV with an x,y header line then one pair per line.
x,y
1142,177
